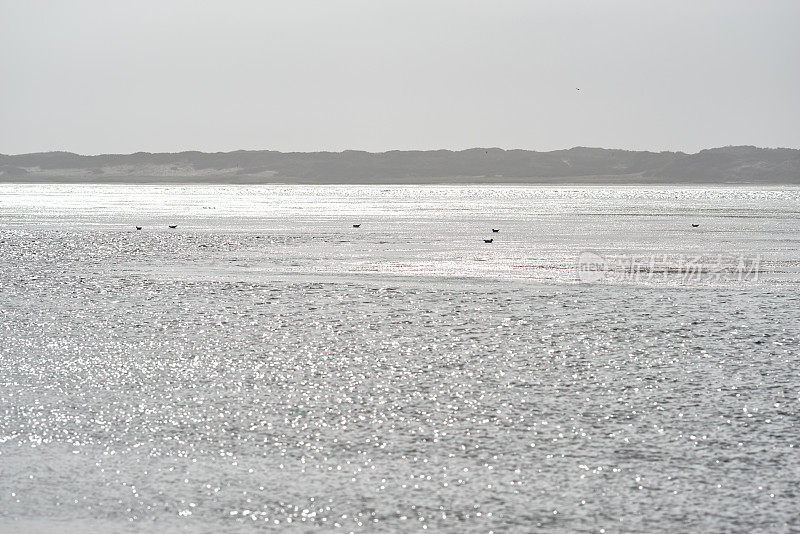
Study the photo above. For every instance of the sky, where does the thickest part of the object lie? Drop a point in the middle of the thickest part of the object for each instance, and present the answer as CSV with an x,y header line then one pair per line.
x,y
93,76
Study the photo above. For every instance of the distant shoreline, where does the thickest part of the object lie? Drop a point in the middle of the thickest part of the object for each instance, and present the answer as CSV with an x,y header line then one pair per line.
x,y
555,181
587,166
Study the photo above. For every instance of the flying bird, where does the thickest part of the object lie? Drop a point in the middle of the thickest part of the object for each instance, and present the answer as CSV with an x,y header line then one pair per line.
x,y
488,240
138,227
173,225
495,230
695,225
356,225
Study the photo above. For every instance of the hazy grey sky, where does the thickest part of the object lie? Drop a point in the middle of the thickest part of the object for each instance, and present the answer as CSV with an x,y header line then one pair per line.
x,y
155,75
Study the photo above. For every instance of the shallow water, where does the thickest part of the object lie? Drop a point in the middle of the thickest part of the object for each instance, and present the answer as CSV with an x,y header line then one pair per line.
x,y
265,364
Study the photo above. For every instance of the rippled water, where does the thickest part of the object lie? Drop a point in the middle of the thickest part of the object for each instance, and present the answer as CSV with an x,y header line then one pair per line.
x,y
265,364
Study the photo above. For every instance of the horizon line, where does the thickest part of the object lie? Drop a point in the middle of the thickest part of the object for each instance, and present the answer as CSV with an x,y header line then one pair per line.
x,y
399,150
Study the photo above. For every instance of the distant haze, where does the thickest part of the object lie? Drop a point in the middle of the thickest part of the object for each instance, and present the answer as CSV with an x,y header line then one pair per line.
x,y
739,165
92,76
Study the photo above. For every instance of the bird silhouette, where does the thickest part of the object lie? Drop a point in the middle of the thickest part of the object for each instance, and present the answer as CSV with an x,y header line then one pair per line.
x,y
173,225
138,227
356,225
495,231
695,225
488,240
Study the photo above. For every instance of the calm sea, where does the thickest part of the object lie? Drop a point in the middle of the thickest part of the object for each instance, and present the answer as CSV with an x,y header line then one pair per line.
x,y
617,359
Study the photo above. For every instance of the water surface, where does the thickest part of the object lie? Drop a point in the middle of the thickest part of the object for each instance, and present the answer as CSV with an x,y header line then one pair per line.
x,y
267,365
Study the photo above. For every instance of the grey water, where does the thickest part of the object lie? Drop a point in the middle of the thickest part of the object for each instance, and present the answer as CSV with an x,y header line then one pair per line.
x,y
268,366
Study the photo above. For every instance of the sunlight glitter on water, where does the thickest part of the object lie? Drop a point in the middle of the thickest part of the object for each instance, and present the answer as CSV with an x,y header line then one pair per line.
x,y
267,364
